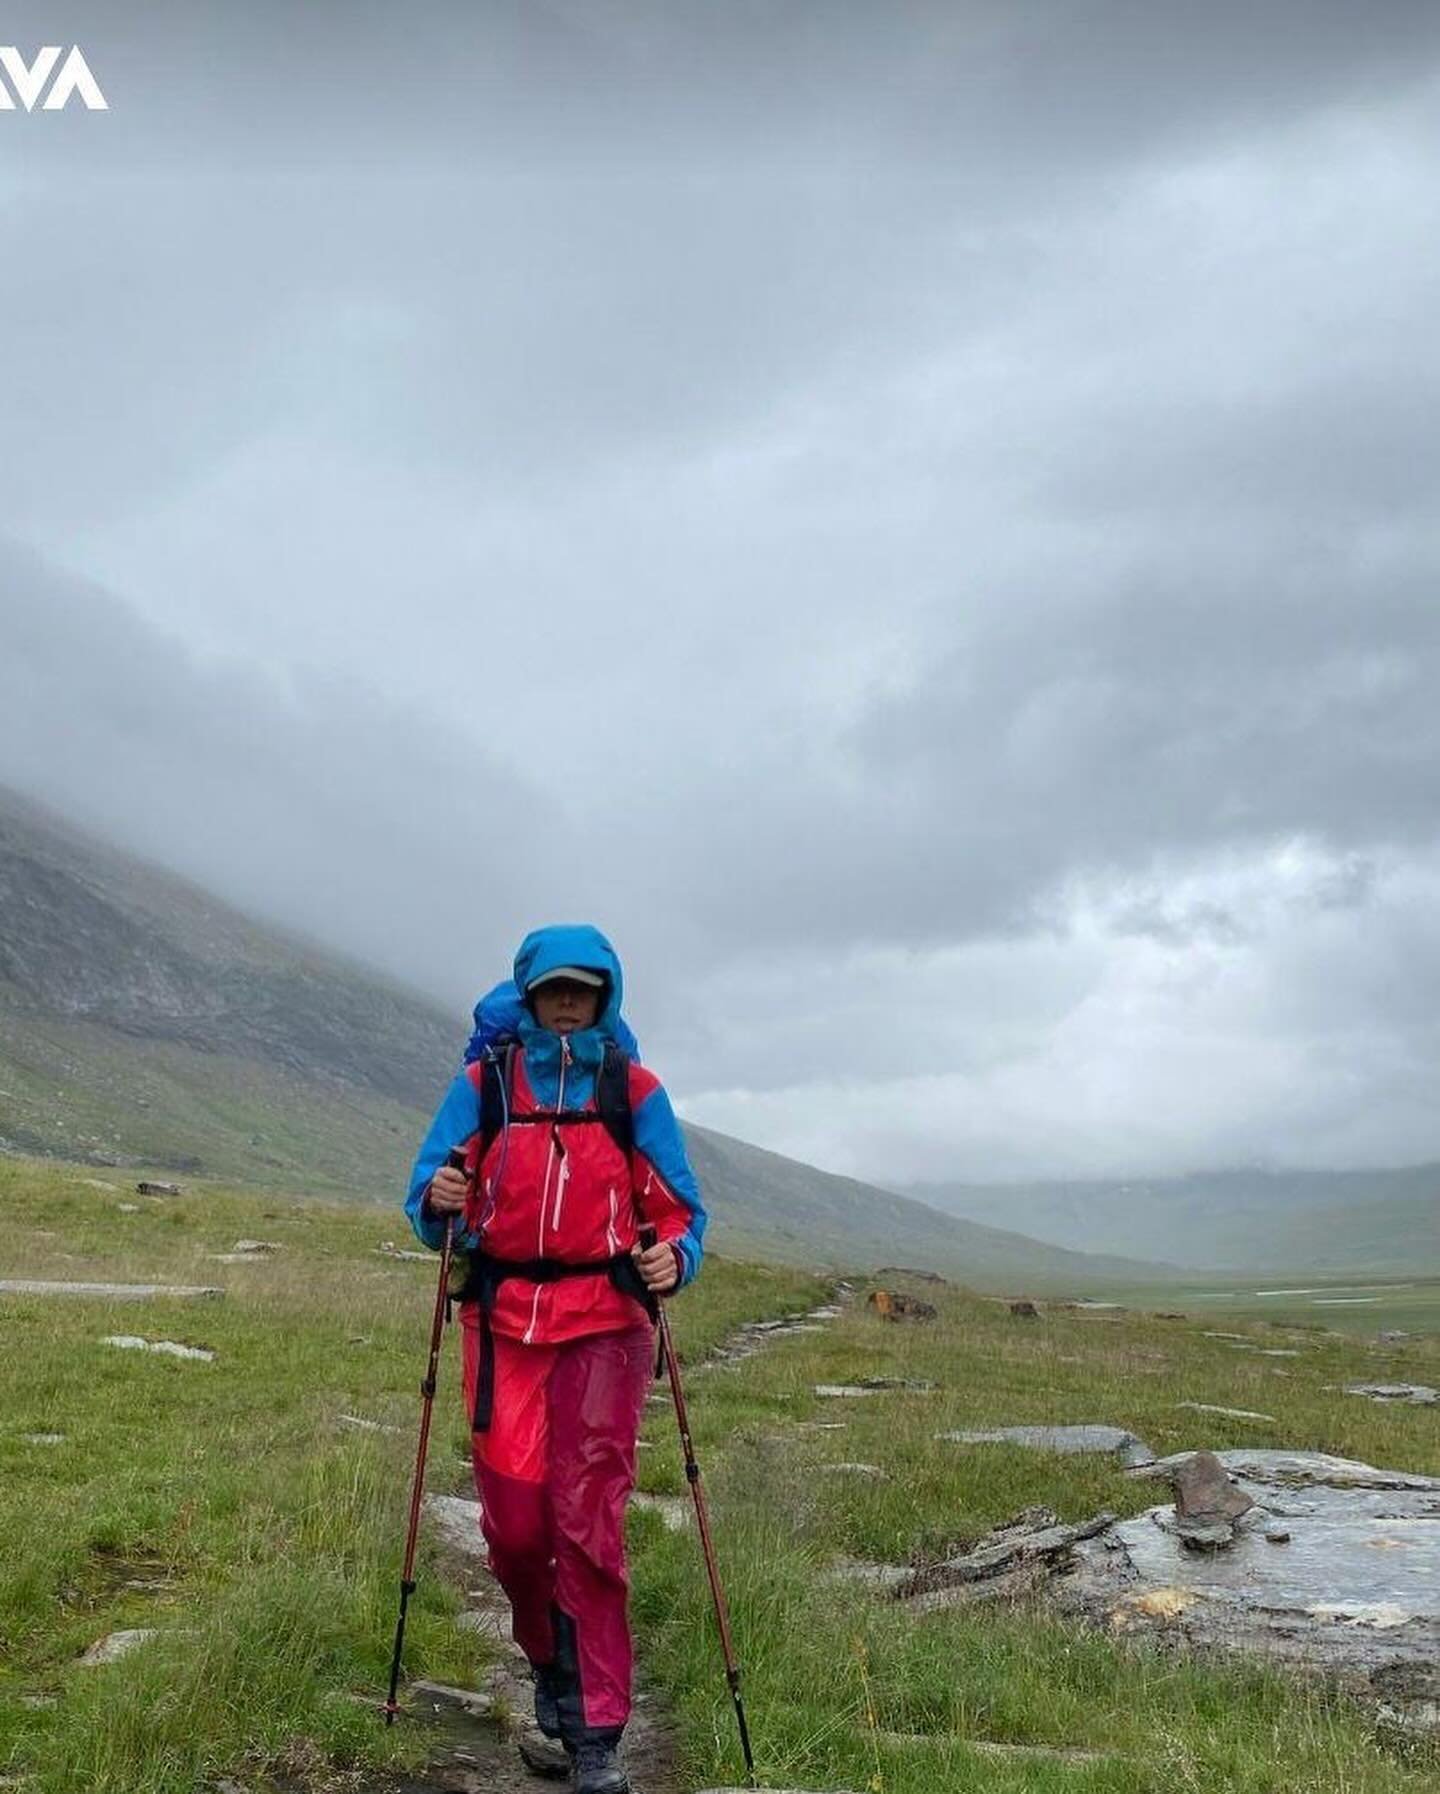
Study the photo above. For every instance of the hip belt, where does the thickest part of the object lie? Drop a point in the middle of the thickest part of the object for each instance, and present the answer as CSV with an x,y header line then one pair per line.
x,y
479,1280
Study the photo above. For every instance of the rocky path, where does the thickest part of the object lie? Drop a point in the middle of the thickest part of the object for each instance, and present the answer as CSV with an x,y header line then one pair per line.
x,y
483,1736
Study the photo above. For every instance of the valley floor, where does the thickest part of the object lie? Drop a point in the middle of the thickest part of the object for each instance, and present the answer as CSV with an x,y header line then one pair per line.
x,y
231,1505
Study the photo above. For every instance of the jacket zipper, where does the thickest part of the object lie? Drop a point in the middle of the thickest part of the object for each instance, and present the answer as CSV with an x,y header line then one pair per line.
x,y
545,1186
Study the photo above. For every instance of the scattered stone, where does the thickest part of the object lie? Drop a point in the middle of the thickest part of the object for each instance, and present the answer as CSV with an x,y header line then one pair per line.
x,y
112,1292
1025,1311
43,1438
1244,1338
151,1188
116,1645
129,1342
440,1697
1039,1753
1277,1535
1207,1504
1391,1335
1006,1560
249,1246
1168,1314
457,1524
874,1386
829,1312
367,1426
894,1305
852,1470
1131,1450
677,1512
542,1755
1417,1395
1228,1413
388,1249
885,1578
127,1208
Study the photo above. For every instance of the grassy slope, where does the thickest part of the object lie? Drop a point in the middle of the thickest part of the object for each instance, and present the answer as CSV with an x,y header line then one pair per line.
x,y
87,1092
276,1534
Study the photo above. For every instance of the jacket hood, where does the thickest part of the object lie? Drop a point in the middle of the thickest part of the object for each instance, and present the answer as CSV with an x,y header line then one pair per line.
x,y
573,944
546,949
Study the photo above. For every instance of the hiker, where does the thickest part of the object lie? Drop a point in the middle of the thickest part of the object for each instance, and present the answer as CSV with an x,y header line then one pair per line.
x,y
570,1148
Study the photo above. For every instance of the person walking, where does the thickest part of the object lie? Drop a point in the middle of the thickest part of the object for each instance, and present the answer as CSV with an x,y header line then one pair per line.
x,y
570,1148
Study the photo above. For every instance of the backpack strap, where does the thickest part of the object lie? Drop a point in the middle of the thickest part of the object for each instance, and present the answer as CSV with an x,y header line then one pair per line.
x,y
497,1084
612,1096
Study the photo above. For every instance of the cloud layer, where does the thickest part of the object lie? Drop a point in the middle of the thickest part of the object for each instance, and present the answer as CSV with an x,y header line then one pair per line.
x,y
919,522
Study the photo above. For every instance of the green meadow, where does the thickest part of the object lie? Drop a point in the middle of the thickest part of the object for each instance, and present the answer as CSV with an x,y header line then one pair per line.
x,y
229,1506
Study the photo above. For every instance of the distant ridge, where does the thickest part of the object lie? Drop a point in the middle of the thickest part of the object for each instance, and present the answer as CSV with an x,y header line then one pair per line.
x,y
1248,1219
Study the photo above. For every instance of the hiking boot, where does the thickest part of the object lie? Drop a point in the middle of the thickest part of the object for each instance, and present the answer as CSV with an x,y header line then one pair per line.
x,y
597,1771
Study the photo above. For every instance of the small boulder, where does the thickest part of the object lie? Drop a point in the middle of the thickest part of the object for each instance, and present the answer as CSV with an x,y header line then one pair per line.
x,y
151,1188
1025,1311
895,1305
1207,1503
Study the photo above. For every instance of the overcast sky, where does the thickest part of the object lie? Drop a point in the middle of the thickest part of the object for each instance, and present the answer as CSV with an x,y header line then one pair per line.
x,y
919,519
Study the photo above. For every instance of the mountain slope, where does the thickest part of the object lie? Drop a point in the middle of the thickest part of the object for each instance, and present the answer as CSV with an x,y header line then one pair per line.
x,y
1379,1220
144,1022
141,1020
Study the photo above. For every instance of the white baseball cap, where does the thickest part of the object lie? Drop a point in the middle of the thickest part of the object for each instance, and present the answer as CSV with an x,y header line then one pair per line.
x,y
576,975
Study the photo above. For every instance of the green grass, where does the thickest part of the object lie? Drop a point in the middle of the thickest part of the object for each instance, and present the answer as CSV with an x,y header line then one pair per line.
x,y
846,1690
1358,1303
267,1537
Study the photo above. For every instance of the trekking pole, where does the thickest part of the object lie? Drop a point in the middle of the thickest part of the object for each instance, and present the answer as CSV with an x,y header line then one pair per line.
x,y
702,1521
417,1488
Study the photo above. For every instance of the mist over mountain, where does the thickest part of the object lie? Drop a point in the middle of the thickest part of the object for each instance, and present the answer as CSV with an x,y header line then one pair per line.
x,y
1242,1219
143,1021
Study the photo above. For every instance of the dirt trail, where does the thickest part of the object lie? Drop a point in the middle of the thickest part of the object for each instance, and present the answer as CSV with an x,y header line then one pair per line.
x,y
478,1753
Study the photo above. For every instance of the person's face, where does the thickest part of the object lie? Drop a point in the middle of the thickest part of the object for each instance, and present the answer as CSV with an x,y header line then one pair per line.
x,y
563,1006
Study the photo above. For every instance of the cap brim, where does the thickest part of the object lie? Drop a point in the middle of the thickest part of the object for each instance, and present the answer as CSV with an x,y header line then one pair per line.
x,y
572,974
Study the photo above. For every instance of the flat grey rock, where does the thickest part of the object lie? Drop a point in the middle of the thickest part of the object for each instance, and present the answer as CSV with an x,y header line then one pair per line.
x,y
116,1645
457,1525
882,1577
359,1422
871,1470
1337,1570
112,1292
1417,1395
169,1348
43,1438
440,1697
1131,1450
1304,1469
1227,1413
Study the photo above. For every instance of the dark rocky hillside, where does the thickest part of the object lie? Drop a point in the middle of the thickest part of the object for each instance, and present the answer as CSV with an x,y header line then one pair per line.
x,y
88,935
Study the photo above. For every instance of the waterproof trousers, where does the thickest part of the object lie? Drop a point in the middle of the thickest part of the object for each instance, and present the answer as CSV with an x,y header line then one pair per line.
x,y
554,1471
